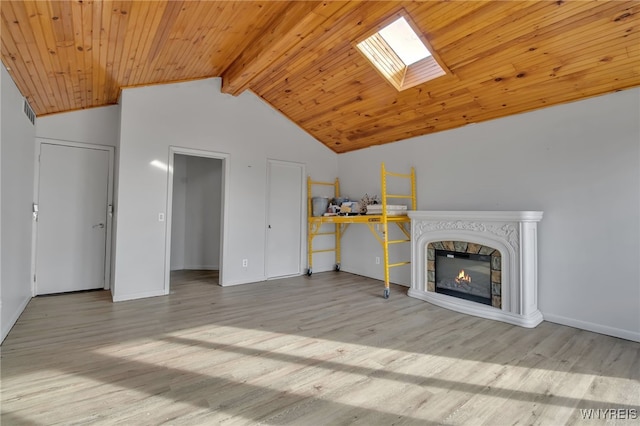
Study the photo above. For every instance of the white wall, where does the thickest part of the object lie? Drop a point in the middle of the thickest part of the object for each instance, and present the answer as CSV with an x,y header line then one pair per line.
x,y
2,332
203,204
98,126
196,115
196,213
178,211
579,163
17,170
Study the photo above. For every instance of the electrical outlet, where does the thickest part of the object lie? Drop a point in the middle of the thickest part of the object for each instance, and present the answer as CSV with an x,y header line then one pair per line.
x,y
377,260
160,217
245,263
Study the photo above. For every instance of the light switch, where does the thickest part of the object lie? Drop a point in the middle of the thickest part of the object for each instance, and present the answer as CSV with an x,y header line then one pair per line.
x,y
160,217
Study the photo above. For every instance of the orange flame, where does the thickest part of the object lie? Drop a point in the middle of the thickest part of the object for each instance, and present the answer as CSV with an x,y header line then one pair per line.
x,y
463,278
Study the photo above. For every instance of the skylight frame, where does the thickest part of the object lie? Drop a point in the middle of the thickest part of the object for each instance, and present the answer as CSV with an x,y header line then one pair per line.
x,y
400,28
389,65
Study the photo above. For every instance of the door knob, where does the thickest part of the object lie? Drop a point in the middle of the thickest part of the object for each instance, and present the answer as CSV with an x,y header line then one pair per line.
x,y
99,225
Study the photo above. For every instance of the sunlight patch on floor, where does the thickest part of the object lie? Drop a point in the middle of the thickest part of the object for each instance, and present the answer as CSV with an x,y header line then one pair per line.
x,y
297,366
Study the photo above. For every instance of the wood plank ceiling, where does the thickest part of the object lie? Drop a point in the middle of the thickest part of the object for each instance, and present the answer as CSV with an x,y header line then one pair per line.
x,y
503,57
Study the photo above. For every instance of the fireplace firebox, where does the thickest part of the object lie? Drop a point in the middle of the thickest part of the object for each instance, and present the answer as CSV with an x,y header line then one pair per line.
x,y
463,275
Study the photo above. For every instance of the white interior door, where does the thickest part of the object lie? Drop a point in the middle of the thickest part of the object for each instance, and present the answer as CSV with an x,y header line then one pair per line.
x,y
72,220
284,219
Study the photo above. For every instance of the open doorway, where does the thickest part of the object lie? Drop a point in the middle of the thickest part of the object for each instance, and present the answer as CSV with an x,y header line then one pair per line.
x,y
195,218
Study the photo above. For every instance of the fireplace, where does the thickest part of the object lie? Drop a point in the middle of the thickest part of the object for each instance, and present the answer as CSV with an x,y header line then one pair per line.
x,y
465,270
476,262
463,275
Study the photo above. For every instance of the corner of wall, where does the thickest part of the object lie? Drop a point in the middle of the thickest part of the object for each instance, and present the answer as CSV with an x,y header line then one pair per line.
x,y
17,158
3,334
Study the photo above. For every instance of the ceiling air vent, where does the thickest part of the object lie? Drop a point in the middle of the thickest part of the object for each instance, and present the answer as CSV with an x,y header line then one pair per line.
x,y
28,111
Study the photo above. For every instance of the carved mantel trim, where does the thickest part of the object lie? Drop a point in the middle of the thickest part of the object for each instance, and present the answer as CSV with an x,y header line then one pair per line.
x,y
507,231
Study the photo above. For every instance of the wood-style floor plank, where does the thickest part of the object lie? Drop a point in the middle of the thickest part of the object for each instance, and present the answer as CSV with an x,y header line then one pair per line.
x,y
326,349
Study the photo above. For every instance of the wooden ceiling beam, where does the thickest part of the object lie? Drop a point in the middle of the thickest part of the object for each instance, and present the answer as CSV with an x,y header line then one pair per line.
x,y
324,44
286,31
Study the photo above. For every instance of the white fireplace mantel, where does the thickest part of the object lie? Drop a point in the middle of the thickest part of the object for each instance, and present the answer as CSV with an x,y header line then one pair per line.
x,y
513,233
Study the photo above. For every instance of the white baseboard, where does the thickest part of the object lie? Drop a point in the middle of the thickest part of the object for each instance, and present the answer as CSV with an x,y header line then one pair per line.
x,y
318,270
379,278
8,325
202,267
596,328
356,271
141,295
284,276
243,281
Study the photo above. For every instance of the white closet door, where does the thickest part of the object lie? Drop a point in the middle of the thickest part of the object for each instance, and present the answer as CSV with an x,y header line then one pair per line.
x,y
72,221
284,219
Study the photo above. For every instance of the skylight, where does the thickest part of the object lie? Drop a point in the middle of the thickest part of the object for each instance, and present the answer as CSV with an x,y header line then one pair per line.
x,y
402,56
404,41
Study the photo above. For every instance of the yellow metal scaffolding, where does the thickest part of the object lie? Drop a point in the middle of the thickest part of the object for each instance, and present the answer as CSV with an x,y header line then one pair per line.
x,y
377,224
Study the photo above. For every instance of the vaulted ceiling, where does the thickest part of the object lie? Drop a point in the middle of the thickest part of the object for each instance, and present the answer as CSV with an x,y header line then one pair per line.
x,y
502,57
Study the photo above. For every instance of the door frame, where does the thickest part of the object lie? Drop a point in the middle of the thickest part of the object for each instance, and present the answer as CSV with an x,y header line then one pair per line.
x,y
110,207
303,214
173,150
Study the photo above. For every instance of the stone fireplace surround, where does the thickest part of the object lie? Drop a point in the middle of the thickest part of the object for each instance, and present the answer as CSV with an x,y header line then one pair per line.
x,y
512,233
468,248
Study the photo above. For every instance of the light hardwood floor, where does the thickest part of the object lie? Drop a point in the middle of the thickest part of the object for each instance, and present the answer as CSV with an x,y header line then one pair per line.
x,y
326,349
